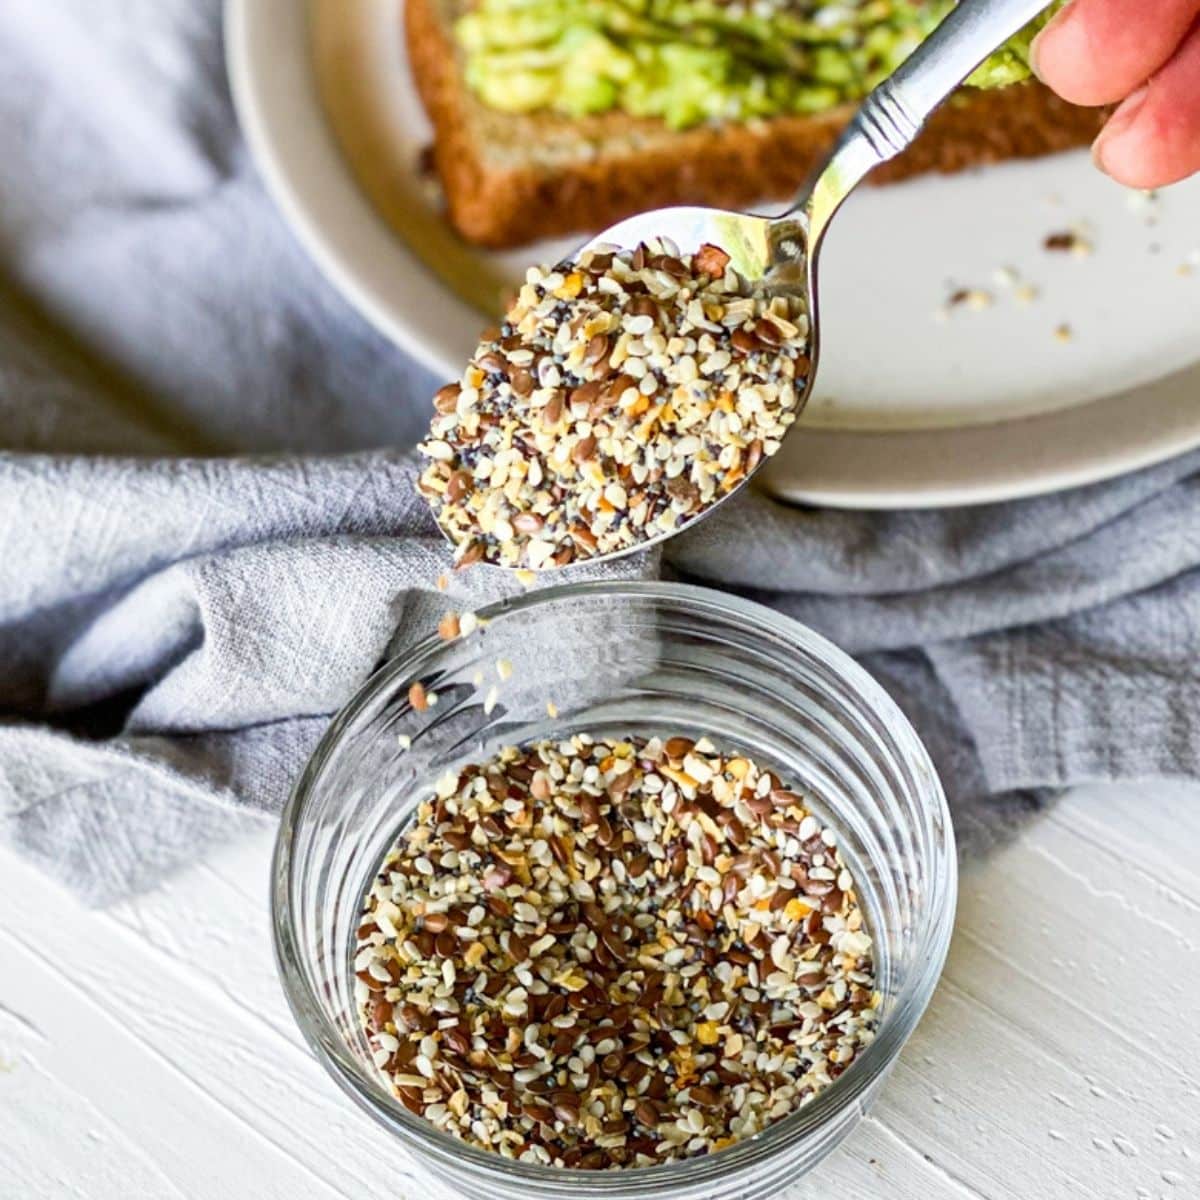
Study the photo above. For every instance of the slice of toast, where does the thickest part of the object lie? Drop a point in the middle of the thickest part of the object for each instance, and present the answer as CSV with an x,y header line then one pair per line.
x,y
512,178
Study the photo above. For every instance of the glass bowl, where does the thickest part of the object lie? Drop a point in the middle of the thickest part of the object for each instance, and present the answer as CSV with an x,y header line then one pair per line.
x,y
619,658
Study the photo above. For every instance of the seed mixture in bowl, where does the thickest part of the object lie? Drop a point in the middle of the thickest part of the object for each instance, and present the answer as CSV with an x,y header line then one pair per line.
x,y
624,394
599,953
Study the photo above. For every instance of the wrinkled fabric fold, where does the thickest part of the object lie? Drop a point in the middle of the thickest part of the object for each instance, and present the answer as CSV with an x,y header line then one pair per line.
x,y
210,537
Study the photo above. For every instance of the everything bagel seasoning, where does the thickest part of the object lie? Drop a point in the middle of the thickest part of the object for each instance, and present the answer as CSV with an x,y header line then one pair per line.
x,y
624,394
603,953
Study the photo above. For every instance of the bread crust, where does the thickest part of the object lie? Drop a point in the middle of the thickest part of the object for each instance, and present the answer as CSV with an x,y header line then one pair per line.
x,y
510,179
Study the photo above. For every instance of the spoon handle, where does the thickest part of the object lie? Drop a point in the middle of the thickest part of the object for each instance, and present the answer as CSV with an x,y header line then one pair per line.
x,y
893,114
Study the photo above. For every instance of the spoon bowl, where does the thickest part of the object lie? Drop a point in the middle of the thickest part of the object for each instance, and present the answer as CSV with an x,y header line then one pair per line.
x,y
779,255
771,252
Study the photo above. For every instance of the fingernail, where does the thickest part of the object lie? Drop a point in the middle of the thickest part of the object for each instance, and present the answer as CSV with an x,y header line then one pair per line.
x,y
1033,55
1118,123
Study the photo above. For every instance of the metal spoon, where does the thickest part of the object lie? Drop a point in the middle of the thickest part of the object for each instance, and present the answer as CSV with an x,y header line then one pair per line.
x,y
783,251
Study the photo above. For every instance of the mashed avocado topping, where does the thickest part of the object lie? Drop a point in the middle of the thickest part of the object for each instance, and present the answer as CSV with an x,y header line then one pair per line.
x,y
690,61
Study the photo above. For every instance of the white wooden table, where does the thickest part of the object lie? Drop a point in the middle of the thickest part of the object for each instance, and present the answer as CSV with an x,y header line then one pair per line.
x,y
146,1052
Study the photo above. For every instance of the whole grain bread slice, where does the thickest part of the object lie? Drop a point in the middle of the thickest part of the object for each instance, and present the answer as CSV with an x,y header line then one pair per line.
x,y
510,179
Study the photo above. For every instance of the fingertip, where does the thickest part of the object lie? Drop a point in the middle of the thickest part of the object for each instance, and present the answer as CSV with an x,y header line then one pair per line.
x,y
1120,166
1131,148
1130,170
1055,57
1078,57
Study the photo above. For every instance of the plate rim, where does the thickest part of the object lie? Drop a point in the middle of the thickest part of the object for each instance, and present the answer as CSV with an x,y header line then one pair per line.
x,y
980,463
278,172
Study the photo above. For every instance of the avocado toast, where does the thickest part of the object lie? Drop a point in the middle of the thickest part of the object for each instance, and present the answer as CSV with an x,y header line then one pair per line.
x,y
559,116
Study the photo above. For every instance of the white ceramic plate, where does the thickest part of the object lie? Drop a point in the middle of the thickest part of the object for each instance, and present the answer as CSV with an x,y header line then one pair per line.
x,y
916,405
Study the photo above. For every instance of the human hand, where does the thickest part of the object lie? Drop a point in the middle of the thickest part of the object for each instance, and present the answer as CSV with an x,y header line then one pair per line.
x,y
1144,55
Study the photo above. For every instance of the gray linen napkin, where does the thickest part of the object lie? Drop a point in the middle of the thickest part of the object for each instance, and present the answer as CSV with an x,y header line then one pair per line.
x,y
201,555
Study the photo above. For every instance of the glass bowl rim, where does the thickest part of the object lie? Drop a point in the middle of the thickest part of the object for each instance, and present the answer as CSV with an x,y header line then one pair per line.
x,y
330,1050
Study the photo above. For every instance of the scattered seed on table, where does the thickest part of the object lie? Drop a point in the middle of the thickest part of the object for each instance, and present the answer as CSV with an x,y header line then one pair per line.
x,y
581,954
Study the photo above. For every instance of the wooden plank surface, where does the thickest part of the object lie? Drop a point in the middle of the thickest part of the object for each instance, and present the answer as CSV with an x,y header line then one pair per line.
x,y
147,1051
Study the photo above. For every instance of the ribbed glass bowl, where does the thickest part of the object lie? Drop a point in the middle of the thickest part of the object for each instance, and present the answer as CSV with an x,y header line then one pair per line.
x,y
619,658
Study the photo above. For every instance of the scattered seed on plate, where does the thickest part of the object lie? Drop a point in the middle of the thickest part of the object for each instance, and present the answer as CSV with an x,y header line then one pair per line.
x,y
1070,241
623,395
974,299
599,953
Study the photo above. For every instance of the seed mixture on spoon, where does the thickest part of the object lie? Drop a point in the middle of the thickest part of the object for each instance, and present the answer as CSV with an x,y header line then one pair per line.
x,y
624,394
602,953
